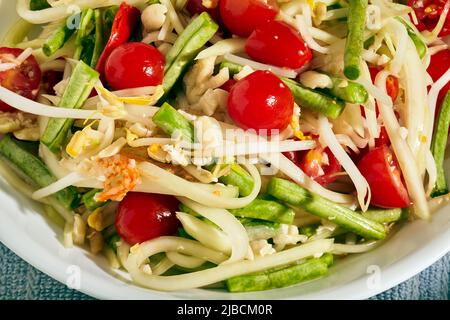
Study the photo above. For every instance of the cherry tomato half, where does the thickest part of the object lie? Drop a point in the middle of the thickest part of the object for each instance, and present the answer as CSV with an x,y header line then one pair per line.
x,y
319,164
145,216
440,63
277,43
133,65
261,101
428,13
241,17
392,86
381,171
24,80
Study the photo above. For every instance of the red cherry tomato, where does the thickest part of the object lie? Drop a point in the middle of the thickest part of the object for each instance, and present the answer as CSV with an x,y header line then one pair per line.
x,y
318,164
228,85
134,65
440,63
392,86
383,139
24,80
279,44
241,17
381,171
145,216
261,101
196,7
428,13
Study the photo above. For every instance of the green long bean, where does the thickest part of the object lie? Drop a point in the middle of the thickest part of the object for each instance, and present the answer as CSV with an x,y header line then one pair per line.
x,y
279,278
297,196
355,38
439,145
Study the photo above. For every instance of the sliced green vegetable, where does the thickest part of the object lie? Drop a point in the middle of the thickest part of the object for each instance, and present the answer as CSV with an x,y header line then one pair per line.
x,y
415,36
108,18
439,145
34,170
78,90
308,270
57,40
84,43
36,5
297,196
266,210
355,38
348,91
386,216
233,68
310,230
240,178
250,222
173,123
315,101
186,47
89,200
99,38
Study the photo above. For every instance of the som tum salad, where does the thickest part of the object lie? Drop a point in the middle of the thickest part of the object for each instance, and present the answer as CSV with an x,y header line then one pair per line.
x,y
242,144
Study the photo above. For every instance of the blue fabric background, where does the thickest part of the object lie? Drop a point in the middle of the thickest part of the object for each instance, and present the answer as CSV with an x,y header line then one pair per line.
x,y
19,280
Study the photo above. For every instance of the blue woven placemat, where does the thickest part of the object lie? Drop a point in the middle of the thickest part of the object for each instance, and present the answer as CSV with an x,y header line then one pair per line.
x,y
19,281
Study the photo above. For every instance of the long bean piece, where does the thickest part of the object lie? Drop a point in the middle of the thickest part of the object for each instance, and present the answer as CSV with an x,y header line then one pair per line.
x,y
439,145
355,38
279,278
297,196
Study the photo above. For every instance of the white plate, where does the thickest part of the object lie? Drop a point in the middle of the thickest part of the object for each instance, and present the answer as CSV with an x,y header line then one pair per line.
x,y
23,229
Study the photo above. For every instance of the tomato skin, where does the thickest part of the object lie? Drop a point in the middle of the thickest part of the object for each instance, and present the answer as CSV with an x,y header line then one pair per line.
x,y
145,216
277,43
133,65
428,13
261,101
24,80
440,63
383,139
196,7
381,171
241,17
227,86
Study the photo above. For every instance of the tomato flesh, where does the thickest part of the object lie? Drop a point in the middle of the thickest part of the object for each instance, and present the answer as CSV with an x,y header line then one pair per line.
x,y
134,65
261,101
277,43
392,86
381,171
428,13
319,164
241,17
145,216
24,80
